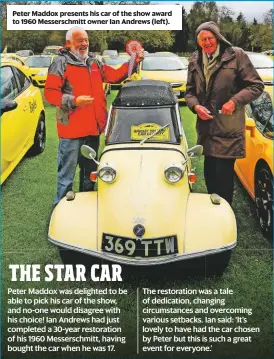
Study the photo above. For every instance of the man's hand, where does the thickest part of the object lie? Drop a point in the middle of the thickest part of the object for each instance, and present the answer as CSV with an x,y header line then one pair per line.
x,y
140,55
203,112
83,100
228,108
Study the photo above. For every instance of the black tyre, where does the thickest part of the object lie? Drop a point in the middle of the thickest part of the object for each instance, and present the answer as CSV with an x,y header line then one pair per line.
x,y
72,257
216,264
39,138
264,199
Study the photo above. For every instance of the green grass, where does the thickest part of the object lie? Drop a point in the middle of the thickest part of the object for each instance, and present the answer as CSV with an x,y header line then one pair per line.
x,y
27,198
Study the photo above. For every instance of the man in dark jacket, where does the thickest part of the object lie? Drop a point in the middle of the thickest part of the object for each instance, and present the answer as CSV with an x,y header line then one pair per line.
x,y
221,81
75,85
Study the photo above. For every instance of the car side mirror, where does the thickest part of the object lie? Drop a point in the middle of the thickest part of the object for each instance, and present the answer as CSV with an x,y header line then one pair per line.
x,y
250,125
34,83
8,105
89,153
195,151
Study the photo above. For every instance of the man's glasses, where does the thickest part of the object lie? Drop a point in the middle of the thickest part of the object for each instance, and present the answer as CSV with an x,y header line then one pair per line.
x,y
82,41
206,39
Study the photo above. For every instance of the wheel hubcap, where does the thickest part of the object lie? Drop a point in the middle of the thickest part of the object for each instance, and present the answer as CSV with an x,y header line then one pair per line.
x,y
263,199
41,135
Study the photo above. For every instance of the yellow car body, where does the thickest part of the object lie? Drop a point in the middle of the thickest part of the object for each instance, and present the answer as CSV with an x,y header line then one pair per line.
x,y
22,118
165,67
144,212
255,171
106,87
13,57
269,53
38,68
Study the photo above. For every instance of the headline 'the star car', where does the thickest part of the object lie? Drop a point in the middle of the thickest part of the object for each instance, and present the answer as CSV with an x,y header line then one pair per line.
x,y
144,212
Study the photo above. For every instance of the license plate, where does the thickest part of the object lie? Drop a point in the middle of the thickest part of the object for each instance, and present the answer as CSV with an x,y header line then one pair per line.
x,y
177,93
144,248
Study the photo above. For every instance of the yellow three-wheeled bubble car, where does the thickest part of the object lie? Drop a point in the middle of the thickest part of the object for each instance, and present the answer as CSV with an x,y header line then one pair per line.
x,y
144,212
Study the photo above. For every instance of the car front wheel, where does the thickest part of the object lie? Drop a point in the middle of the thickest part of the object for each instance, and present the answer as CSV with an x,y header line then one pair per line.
x,y
216,264
39,138
264,199
74,257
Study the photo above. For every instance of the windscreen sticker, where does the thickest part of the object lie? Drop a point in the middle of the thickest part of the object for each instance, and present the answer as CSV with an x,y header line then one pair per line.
x,y
145,130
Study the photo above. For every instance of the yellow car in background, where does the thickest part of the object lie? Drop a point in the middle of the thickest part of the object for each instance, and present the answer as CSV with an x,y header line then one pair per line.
x,y
52,50
116,62
264,66
255,171
166,67
184,61
13,57
269,53
23,127
24,53
39,65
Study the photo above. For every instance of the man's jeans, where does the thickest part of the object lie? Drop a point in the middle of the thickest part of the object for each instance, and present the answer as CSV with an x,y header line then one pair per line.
x,y
69,156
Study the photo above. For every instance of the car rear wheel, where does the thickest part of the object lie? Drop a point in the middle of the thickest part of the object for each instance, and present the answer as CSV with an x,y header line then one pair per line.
x,y
216,264
264,199
39,138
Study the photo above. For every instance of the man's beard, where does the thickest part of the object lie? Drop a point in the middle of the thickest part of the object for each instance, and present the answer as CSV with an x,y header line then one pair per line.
x,y
80,56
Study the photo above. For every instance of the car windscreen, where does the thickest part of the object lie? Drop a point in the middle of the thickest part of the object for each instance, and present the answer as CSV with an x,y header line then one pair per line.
x,y
24,53
261,110
184,61
135,124
9,88
38,61
51,51
116,60
110,52
162,63
261,61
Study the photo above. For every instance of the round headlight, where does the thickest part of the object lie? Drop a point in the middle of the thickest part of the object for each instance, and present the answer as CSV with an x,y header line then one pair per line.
x,y
173,173
107,173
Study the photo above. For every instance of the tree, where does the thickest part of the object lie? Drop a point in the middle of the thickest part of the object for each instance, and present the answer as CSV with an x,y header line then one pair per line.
x,y
226,22
201,12
240,18
57,38
151,40
225,14
241,33
260,37
181,36
268,17
34,40
97,40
